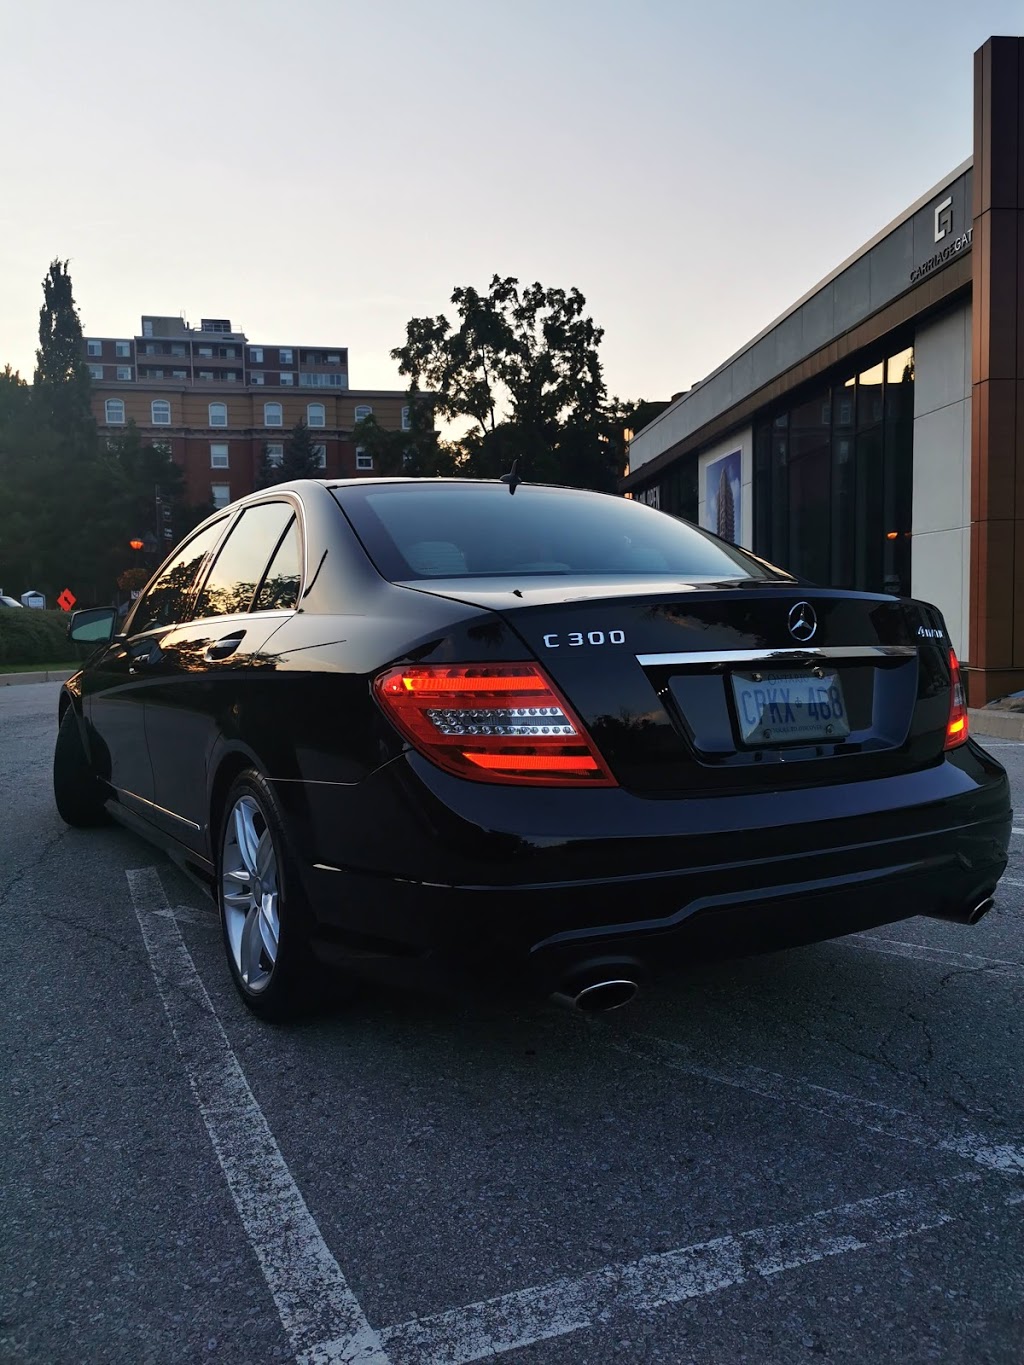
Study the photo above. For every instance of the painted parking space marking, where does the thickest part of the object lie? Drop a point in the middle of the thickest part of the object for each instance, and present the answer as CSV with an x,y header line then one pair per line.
x,y
1003,1153
923,952
512,1321
319,1312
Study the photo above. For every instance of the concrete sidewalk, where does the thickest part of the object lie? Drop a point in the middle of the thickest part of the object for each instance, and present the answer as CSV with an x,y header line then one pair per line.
x,y
39,675
994,724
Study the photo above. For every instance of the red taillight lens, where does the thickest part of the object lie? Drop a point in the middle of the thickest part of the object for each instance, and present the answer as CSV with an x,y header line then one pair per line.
x,y
492,723
956,726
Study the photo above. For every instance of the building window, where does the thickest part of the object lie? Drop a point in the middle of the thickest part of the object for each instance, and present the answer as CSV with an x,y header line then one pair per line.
x,y
96,371
160,412
124,372
218,414
147,327
114,410
273,415
231,377
206,374
94,348
154,374
220,494
206,352
275,452
363,411
287,380
219,456
179,374
256,355
315,415
122,349
406,420
321,456
177,348
333,359
255,379
364,460
150,349
323,381
285,356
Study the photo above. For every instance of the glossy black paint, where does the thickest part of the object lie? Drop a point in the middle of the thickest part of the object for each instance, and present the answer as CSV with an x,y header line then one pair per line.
x,y
705,844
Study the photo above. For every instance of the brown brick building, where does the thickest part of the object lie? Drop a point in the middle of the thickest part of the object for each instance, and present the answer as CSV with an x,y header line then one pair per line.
x,y
213,398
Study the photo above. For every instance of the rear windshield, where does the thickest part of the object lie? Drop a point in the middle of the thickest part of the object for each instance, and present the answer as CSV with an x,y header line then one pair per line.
x,y
478,530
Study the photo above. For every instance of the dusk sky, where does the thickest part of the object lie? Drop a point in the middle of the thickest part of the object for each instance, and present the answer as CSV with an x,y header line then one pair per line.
x,y
320,171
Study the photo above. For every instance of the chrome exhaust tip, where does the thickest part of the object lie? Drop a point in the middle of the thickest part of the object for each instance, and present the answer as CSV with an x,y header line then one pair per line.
x,y
969,914
598,997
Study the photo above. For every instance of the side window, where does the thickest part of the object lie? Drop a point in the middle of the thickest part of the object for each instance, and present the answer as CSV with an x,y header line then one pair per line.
x,y
239,568
166,602
279,591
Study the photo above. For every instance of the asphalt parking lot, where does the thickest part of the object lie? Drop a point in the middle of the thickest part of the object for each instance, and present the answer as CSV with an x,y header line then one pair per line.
x,y
816,1155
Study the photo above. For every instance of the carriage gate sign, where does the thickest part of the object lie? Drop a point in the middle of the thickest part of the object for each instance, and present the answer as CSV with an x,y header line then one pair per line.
x,y
952,243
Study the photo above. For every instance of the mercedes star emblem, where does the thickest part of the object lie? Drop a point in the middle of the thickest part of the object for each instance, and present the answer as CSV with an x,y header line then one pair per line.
x,y
803,622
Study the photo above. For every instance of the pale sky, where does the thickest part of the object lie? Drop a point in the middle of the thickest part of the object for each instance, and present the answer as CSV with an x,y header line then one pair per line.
x,y
320,171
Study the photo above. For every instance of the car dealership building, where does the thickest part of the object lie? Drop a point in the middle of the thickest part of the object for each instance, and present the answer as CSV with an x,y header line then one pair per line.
x,y
873,436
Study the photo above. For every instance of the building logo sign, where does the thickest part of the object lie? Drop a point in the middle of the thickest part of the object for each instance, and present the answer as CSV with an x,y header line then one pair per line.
x,y
954,245
943,219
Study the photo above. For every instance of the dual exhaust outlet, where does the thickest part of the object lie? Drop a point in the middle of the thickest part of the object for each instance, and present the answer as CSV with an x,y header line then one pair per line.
x,y
611,986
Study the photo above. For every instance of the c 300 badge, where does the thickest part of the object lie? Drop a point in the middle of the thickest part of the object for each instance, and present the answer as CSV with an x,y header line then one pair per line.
x,y
575,639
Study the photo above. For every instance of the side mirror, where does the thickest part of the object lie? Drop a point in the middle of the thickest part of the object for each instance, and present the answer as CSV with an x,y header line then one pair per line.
x,y
92,627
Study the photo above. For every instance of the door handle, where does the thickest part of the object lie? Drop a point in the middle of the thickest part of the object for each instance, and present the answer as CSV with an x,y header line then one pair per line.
x,y
224,647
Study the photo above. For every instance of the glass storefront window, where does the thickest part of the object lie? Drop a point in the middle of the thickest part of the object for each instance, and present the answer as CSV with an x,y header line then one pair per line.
x,y
833,480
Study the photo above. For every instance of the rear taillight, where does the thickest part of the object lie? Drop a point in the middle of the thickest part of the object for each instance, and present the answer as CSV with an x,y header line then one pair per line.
x,y
492,723
956,726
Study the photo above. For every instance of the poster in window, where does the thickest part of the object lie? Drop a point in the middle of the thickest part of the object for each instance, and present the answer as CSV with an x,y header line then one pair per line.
x,y
722,497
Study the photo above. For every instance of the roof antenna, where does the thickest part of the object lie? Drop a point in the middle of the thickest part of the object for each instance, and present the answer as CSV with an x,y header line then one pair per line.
x,y
512,477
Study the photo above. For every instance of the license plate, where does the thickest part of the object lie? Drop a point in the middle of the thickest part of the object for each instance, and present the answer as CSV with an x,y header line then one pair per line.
x,y
778,708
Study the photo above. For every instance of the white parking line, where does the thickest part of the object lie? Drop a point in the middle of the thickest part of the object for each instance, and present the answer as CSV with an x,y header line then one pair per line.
x,y
512,1321
318,1310
984,1148
922,952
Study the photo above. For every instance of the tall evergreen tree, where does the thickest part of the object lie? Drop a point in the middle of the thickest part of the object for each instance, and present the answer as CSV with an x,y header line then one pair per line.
x,y
301,456
61,387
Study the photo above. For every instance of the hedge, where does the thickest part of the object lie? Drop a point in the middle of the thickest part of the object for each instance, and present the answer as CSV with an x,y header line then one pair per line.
x,y
37,637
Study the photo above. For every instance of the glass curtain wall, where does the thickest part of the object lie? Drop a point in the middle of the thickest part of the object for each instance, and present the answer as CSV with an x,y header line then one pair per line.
x,y
833,480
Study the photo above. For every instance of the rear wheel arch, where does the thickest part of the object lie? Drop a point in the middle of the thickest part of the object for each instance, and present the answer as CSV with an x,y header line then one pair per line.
x,y
230,767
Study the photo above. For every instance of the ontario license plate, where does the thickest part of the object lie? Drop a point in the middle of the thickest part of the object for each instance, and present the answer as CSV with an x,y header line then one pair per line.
x,y
777,708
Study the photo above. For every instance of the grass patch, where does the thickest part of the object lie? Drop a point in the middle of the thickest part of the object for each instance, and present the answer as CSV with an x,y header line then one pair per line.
x,y
64,667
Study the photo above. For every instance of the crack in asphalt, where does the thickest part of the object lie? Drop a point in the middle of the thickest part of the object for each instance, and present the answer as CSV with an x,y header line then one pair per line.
x,y
23,872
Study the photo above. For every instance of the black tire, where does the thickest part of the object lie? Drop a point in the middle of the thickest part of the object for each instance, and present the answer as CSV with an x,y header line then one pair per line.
x,y
76,788
287,982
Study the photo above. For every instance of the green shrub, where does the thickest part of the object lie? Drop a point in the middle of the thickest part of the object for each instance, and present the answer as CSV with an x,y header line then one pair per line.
x,y
36,637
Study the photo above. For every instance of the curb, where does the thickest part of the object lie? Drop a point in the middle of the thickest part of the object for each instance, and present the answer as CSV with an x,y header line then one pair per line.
x,y
997,724
60,675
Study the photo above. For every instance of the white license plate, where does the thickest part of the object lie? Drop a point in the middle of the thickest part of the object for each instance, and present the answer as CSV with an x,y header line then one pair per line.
x,y
781,707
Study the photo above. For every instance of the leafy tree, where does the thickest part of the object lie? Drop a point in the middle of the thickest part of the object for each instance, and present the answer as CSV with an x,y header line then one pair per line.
x,y
417,451
301,457
520,370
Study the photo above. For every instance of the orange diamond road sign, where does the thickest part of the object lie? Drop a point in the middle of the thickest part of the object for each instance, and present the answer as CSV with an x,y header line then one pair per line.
x,y
66,600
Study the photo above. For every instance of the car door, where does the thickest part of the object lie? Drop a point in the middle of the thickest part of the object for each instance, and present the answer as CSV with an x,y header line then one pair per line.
x,y
198,683
115,686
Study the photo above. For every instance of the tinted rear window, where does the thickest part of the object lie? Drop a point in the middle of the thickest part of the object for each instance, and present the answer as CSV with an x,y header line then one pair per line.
x,y
445,530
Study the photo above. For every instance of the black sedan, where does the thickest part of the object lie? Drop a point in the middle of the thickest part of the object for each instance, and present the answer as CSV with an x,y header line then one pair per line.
x,y
435,730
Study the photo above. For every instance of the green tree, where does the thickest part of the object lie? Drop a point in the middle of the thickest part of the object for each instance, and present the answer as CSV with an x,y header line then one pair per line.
x,y
267,471
416,450
520,372
61,384
301,455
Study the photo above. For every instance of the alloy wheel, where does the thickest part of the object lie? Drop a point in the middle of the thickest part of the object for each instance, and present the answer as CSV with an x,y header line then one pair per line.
x,y
250,894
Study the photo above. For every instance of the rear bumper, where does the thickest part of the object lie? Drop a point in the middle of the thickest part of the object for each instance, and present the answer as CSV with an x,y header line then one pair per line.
x,y
535,883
